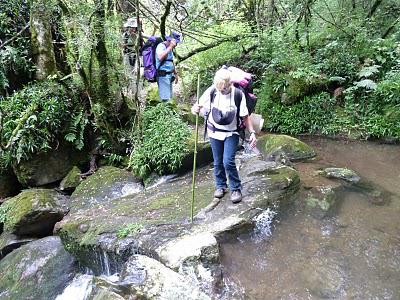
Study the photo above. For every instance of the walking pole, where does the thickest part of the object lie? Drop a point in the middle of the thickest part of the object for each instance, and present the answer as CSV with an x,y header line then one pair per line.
x,y
195,149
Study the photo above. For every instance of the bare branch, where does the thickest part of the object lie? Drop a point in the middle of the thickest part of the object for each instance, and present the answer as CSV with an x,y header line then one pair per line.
x,y
164,18
15,36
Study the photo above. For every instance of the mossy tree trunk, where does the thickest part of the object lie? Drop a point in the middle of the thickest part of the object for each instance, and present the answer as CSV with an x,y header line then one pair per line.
x,y
42,45
103,92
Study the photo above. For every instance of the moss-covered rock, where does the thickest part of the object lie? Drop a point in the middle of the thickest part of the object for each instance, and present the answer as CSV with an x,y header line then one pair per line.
x,y
273,145
38,270
33,212
160,216
9,185
72,180
342,173
48,167
321,200
108,183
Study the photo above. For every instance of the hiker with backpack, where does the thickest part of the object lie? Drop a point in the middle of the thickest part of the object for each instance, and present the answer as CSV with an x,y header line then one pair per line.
x,y
225,107
129,44
166,72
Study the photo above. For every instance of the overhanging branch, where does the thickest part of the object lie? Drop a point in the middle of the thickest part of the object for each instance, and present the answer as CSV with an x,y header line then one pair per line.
x,y
206,47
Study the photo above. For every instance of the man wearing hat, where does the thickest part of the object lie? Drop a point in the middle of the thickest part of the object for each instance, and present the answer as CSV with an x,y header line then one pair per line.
x,y
129,44
166,72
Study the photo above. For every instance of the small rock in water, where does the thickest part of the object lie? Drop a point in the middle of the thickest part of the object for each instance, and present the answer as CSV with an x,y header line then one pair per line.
x,y
342,173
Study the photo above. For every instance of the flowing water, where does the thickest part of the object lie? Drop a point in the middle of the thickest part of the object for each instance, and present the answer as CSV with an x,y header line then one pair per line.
x,y
354,253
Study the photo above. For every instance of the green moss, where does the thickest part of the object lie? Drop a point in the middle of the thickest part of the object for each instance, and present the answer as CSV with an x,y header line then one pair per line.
x,y
72,179
129,229
19,206
292,147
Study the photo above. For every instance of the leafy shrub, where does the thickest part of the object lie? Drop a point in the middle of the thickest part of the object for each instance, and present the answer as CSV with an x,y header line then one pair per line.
x,y
337,59
163,144
36,118
311,114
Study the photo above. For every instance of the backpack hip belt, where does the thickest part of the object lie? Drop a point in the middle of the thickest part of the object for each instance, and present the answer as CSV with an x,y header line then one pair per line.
x,y
214,129
162,73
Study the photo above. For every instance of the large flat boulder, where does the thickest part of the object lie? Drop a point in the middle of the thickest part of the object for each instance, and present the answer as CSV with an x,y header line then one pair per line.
x,y
156,222
38,270
276,147
33,212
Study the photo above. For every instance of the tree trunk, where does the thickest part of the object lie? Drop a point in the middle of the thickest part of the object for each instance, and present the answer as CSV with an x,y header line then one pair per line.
x,y
42,43
374,8
103,93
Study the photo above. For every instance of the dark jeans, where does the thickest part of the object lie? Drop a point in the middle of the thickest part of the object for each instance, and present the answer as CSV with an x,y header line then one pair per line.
x,y
224,162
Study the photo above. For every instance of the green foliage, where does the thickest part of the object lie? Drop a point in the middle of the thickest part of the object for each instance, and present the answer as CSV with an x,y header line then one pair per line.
x,y
36,118
311,114
163,144
15,62
129,229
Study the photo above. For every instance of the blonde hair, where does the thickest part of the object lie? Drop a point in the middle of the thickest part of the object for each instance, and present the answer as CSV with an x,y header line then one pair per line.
x,y
222,79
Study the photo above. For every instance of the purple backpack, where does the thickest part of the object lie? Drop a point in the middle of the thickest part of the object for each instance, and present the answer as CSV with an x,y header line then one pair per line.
x,y
149,58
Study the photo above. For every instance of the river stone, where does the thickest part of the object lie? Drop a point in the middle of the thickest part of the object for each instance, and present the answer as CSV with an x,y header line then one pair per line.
x,y
48,167
10,242
320,201
324,274
155,221
72,180
33,212
106,184
9,185
150,279
342,173
281,146
37,271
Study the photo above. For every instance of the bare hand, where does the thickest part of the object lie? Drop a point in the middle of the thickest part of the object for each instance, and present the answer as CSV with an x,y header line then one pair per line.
x,y
176,78
195,109
253,140
173,43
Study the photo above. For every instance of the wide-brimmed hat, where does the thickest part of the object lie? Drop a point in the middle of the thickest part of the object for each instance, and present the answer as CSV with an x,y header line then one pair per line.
x,y
174,35
131,22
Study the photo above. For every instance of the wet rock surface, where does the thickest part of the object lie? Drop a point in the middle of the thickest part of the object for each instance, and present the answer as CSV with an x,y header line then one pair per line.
x,y
38,270
33,212
155,222
107,184
342,173
321,200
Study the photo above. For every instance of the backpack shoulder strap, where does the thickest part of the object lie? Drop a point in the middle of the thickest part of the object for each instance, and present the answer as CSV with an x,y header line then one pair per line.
x,y
213,92
238,97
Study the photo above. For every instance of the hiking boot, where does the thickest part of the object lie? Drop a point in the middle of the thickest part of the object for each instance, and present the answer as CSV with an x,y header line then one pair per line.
x,y
236,196
219,193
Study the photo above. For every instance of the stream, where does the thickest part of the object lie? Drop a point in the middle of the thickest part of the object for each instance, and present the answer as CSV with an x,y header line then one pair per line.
x,y
353,253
